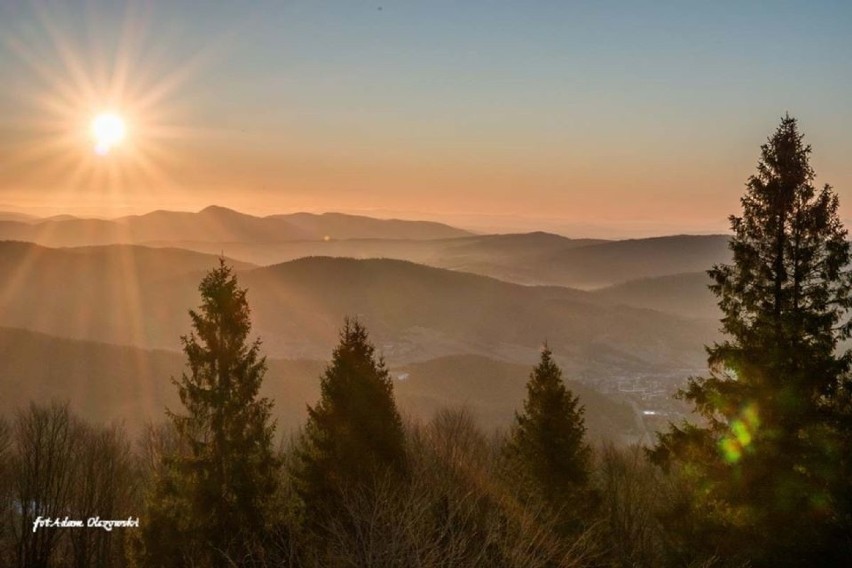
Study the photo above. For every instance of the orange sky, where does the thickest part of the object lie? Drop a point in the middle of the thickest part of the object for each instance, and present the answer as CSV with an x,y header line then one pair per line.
x,y
586,123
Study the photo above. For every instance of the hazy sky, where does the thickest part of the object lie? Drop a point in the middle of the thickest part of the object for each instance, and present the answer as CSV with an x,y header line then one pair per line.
x,y
587,117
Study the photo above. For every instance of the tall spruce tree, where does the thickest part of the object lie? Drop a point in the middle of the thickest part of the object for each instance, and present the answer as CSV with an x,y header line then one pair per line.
x,y
769,466
211,506
547,445
354,433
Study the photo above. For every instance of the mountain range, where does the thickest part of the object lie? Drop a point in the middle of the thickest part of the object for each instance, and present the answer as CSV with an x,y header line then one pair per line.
x,y
528,258
219,225
140,296
97,316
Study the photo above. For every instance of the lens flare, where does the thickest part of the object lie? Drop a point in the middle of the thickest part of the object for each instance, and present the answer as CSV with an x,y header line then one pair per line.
x,y
741,435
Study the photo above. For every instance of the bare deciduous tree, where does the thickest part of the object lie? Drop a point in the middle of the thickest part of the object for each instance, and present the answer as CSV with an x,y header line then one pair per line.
x,y
45,451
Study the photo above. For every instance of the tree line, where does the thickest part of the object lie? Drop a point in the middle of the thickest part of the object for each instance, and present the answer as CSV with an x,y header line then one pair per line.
x,y
760,477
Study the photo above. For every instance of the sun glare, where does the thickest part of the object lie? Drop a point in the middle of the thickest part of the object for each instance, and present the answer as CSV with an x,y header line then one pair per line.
x,y
108,130
87,102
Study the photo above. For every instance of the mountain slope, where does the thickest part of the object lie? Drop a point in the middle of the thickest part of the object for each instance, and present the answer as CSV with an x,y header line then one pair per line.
x,y
413,312
419,312
686,294
512,257
111,293
494,390
619,261
526,258
111,383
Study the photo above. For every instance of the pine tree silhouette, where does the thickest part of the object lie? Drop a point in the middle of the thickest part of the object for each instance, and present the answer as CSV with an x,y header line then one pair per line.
x,y
547,445
770,465
354,433
213,500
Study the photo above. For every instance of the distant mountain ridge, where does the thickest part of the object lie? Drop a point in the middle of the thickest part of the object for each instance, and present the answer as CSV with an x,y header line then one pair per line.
x,y
218,224
524,258
610,262
535,258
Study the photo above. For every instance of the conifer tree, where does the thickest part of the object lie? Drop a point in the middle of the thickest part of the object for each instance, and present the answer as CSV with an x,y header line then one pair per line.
x,y
769,466
212,501
354,433
548,443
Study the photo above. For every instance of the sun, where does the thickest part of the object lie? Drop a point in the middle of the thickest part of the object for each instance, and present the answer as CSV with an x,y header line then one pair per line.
x,y
108,130
104,120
